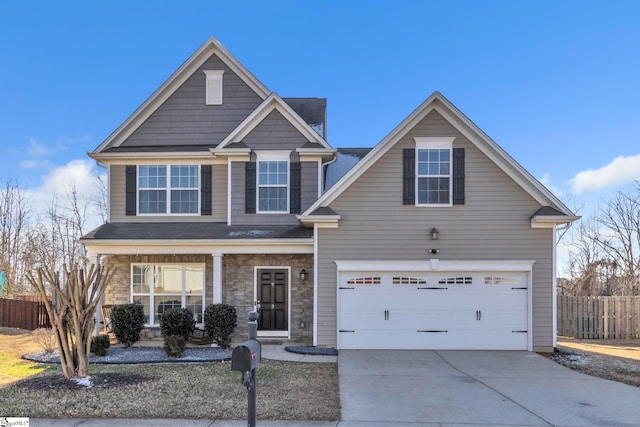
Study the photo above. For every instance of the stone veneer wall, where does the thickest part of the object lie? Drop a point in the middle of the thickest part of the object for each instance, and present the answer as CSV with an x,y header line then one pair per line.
x,y
238,290
119,290
237,287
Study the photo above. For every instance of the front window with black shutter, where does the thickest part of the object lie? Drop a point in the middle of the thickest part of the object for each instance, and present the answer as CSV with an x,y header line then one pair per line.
x,y
168,189
433,173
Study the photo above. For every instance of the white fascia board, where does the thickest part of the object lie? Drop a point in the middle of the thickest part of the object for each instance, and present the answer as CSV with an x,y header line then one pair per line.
x,y
551,221
426,265
315,153
232,153
263,246
182,155
160,95
322,221
272,102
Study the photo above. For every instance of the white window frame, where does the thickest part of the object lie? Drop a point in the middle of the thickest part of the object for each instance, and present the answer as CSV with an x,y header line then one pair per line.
x,y
273,156
167,189
434,143
152,295
213,87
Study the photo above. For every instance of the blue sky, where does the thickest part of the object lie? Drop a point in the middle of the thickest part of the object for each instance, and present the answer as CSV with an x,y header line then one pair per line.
x,y
555,83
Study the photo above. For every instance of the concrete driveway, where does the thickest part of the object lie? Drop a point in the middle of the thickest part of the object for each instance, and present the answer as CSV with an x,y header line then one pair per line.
x,y
386,387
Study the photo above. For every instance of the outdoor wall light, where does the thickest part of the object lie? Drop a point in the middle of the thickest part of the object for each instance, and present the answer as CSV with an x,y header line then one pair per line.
x,y
303,274
434,251
434,233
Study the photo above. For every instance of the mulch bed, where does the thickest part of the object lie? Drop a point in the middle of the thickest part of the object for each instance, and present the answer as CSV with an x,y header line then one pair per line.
x,y
104,380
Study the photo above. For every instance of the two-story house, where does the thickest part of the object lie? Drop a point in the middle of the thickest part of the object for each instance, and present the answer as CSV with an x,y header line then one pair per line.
x,y
222,191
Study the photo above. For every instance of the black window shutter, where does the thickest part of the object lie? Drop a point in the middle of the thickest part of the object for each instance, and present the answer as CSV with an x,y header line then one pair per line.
x,y
295,193
205,190
409,176
130,190
250,188
458,176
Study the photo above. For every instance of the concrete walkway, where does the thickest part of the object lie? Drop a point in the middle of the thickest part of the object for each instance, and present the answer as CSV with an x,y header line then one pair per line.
x,y
477,388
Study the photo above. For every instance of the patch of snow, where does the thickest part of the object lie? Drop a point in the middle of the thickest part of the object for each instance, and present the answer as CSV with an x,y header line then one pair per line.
x,y
251,233
120,355
85,382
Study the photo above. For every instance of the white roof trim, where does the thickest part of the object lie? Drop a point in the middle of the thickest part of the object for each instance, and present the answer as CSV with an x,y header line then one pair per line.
x,y
474,134
426,265
199,57
272,102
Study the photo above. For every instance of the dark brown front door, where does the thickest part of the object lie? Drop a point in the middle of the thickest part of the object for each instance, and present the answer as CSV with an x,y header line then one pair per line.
x,y
272,300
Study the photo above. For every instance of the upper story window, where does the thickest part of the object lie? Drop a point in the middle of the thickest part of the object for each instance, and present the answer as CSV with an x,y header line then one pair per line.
x,y
433,171
168,189
213,95
273,182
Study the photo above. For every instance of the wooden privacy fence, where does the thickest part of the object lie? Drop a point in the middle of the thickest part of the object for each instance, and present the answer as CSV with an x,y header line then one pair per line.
x,y
23,314
599,317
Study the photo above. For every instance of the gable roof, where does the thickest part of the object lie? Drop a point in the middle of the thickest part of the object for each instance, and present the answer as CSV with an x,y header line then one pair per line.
x,y
271,103
199,57
472,132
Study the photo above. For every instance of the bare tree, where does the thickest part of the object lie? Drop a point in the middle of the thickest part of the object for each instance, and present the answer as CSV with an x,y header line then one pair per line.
x,y
101,199
14,235
606,255
620,236
72,311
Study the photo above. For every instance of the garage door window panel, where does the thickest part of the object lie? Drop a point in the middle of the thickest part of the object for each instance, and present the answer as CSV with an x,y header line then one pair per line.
x,y
408,281
364,281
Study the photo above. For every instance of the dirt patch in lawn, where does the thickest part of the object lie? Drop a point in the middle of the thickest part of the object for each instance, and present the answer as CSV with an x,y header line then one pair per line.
x,y
617,360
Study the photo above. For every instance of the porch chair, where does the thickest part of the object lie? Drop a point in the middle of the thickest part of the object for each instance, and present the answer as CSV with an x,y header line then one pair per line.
x,y
105,311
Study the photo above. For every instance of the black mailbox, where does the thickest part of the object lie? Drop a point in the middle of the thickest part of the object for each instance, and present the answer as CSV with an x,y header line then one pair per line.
x,y
246,356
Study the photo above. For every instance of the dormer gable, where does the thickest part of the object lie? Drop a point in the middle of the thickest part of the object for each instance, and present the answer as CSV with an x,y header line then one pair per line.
x,y
210,72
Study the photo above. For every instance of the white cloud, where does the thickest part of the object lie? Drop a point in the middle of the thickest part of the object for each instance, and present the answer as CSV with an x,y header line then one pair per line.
x,y
547,182
622,170
38,150
76,174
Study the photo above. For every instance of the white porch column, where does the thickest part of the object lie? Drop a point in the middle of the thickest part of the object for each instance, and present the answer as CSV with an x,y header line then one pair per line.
x,y
217,277
94,259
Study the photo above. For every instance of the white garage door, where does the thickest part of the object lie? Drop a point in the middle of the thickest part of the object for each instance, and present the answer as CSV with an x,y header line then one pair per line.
x,y
433,310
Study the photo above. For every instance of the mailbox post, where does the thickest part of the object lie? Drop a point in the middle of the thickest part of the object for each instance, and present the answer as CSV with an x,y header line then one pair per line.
x,y
245,358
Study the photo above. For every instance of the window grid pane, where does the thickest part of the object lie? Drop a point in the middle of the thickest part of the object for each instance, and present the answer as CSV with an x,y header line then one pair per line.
x,y
155,197
272,181
153,201
434,170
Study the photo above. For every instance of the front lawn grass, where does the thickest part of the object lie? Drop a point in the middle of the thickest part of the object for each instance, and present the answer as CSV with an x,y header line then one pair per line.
x,y
285,390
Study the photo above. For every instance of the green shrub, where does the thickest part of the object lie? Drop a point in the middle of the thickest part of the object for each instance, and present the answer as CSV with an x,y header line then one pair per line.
x,y
127,321
174,345
177,321
219,321
100,344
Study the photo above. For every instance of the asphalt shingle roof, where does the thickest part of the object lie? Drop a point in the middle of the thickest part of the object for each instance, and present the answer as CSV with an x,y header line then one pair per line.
x,y
194,230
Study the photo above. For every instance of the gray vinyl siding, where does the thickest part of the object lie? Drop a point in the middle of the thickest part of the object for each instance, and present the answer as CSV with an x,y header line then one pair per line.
x,y
185,119
309,194
493,224
273,133
219,199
